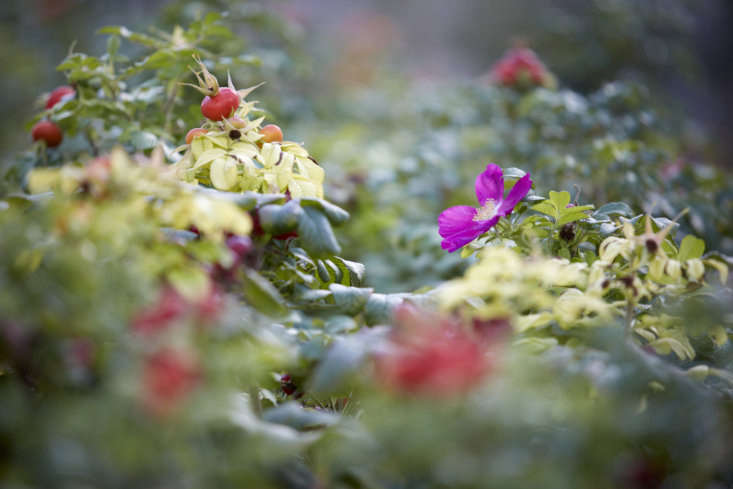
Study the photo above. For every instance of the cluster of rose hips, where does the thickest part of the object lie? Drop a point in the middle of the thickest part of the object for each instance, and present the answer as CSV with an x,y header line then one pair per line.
x,y
220,103
46,130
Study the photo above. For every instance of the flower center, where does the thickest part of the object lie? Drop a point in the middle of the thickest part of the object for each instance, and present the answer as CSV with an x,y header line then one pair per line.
x,y
486,212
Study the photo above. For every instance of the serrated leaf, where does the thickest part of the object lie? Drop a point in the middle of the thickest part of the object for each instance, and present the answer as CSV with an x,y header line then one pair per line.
x,y
354,270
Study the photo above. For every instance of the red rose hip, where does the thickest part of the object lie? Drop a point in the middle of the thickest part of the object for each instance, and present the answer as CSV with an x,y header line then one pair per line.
x,y
47,131
220,106
59,94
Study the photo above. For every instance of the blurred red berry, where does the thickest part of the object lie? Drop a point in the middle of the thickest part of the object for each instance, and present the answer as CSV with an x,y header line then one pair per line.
x,y
169,307
61,93
494,329
287,385
47,131
239,245
168,376
210,306
256,225
290,234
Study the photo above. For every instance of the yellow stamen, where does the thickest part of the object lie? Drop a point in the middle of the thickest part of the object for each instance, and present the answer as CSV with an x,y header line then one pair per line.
x,y
486,212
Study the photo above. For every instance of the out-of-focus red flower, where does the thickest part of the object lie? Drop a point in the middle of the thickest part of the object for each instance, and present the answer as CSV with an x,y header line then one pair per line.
x,y
365,40
521,66
492,330
210,306
432,355
168,376
169,307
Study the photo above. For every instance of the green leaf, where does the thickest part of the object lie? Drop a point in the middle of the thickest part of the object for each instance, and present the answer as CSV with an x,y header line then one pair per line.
x,y
560,199
354,271
334,213
223,173
379,308
279,219
350,300
322,270
315,233
245,200
191,282
340,324
571,216
262,295
342,359
620,208
113,45
546,207
296,416
511,175
690,248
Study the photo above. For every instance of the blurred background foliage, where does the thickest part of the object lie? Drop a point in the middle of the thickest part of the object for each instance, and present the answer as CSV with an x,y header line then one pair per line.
x,y
677,47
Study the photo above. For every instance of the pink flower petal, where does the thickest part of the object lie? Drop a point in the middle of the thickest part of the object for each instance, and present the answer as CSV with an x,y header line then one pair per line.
x,y
462,237
490,184
455,219
516,194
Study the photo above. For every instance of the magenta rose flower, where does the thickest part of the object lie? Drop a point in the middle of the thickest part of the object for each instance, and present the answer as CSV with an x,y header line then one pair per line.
x,y
462,224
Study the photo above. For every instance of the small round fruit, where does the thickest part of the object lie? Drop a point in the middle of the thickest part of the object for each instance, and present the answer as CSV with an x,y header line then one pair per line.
x,y
271,133
47,131
59,94
194,133
237,123
220,106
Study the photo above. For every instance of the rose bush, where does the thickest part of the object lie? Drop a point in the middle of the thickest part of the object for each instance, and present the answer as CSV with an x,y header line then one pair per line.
x,y
178,309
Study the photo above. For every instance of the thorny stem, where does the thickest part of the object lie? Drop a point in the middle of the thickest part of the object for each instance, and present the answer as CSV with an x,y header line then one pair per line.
x,y
170,104
42,153
90,140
